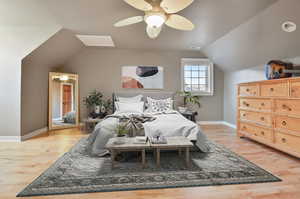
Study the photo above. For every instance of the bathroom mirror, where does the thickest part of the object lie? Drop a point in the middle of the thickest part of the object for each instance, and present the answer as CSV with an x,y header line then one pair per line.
x,y
63,100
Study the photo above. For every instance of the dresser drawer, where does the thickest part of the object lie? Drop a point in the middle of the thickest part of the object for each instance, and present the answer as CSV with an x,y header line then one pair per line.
x,y
295,89
288,123
256,131
289,106
248,90
257,104
288,141
261,118
274,89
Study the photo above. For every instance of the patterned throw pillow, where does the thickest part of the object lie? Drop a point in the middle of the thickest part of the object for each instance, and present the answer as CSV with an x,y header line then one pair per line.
x,y
161,105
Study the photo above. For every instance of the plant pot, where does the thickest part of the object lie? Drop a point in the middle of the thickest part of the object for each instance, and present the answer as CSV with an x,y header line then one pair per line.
x,y
103,109
97,109
120,140
182,109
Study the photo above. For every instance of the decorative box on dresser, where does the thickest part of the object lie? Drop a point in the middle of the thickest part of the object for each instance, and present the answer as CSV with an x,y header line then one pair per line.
x,y
269,112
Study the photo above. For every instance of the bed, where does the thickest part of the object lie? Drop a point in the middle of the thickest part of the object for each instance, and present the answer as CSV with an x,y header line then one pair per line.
x,y
168,123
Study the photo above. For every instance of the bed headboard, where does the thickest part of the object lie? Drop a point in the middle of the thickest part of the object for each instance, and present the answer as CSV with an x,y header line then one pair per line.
x,y
154,95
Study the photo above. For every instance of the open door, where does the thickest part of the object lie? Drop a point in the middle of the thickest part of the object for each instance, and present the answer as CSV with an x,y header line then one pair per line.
x,y
66,99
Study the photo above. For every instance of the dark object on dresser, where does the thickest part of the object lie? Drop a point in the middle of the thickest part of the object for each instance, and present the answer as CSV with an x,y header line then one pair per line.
x,y
277,69
190,115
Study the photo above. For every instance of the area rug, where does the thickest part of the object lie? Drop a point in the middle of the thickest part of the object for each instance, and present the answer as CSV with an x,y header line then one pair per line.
x,y
78,172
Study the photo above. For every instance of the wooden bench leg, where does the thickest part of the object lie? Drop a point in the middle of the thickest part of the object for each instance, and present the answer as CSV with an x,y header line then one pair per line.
x,y
144,158
187,157
158,157
112,156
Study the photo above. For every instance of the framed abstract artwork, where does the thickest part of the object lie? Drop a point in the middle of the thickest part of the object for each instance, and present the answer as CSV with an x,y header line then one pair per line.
x,y
143,77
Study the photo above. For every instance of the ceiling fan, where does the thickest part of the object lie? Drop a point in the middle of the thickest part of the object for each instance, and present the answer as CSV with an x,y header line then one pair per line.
x,y
157,13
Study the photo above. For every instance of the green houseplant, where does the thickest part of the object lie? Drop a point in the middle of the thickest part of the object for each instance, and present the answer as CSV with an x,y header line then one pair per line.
x,y
97,105
121,130
188,98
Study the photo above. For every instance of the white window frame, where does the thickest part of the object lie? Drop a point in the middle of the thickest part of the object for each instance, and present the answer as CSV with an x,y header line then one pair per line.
x,y
185,61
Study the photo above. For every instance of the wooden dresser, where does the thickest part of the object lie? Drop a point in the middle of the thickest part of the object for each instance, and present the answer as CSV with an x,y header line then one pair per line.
x,y
269,112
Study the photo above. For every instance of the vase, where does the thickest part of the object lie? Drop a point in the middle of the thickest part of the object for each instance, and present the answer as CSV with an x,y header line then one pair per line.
x,y
120,140
182,109
97,109
102,109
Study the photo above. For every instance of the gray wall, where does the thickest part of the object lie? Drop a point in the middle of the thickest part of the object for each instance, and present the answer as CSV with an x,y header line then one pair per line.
x,y
259,39
101,69
231,79
35,69
16,42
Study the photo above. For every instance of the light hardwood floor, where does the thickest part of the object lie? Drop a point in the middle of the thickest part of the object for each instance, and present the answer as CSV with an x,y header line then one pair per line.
x,y
21,163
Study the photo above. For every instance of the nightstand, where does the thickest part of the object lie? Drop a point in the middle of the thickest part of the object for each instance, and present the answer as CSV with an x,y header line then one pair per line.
x,y
190,115
90,123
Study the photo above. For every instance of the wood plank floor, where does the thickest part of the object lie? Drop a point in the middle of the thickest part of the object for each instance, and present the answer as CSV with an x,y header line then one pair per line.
x,y
21,163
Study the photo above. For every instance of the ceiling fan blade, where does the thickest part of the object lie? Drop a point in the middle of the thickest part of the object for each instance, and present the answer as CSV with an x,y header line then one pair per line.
x,y
129,21
179,22
140,4
173,6
153,32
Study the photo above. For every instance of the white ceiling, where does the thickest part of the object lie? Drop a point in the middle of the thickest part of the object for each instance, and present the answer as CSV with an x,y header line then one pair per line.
x,y
213,19
233,33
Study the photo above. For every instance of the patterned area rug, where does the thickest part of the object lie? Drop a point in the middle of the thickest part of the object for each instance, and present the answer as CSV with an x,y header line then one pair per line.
x,y
78,172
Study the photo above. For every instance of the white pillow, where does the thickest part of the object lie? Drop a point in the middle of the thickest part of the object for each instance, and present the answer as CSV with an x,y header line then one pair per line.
x,y
137,98
161,105
129,106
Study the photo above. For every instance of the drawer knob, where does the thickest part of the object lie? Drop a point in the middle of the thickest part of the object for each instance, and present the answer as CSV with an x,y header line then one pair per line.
x,y
283,140
271,89
284,123
245,103
262,118
263,133
262,104
247,89
286,107
244,115
244,128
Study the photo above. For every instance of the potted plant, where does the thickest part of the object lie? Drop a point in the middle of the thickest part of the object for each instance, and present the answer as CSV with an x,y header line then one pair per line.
x,y
188,98
96,104
121,130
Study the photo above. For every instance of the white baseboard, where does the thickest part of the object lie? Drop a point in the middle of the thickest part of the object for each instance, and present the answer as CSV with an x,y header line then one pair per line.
x,y
216,122
229,124
10,138
34,133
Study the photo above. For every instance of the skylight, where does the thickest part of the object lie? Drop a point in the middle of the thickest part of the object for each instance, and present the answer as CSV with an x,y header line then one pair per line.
x,y
96,40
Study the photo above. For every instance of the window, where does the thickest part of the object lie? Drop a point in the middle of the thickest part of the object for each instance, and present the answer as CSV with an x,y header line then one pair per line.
x,y
197,76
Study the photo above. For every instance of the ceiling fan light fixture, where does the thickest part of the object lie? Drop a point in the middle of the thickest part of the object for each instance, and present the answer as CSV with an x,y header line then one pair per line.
x,y
155,20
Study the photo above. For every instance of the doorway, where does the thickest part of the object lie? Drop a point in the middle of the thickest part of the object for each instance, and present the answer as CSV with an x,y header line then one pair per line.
x,y
67,98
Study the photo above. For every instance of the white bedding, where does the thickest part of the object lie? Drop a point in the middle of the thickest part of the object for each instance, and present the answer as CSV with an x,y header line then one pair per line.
x,y
171,124
167,124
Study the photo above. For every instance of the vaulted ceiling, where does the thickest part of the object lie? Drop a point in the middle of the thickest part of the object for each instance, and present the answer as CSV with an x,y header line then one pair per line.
x,y
213,19
235,34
